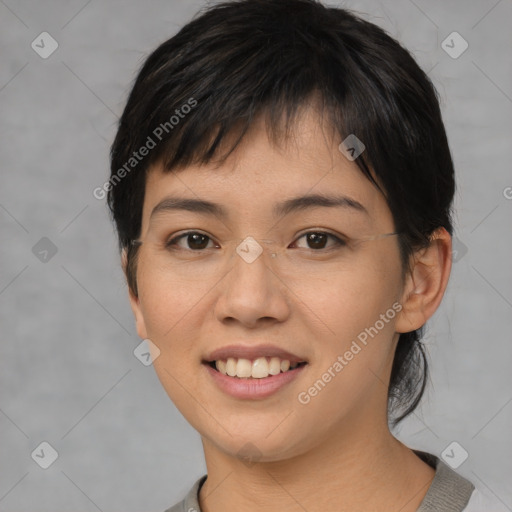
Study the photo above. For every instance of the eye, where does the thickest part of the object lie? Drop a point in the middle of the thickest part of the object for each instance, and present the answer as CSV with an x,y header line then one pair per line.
x,y
194,239
317,240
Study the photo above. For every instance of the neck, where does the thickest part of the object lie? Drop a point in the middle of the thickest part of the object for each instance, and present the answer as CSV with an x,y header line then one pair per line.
x,y
358,472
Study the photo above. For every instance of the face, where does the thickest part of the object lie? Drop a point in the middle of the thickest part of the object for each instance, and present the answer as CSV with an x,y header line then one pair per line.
x,y
331,305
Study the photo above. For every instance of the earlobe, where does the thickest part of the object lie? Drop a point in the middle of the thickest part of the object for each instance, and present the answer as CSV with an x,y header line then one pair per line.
x,y
426,282
134,301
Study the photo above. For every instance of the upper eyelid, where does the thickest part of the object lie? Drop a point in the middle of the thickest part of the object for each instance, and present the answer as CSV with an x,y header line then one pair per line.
x,y
175,238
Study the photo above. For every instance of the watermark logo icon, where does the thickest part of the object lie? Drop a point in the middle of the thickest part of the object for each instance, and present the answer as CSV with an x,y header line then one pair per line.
x,y
351,147
250,454
146,352
454,45
454,455
44,250
44,455
459,250
44,45
249,250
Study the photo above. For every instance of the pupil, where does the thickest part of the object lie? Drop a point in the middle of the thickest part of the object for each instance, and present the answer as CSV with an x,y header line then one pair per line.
x,y
317,240
195,237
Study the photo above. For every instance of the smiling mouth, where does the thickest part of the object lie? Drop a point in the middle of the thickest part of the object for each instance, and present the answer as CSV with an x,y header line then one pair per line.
x,y
258,368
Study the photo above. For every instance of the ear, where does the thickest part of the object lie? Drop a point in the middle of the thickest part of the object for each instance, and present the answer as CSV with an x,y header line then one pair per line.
x,y
134,301
426,282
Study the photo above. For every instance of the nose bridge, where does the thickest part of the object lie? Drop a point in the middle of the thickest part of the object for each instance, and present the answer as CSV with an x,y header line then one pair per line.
x,y
251,261
251,291
250,249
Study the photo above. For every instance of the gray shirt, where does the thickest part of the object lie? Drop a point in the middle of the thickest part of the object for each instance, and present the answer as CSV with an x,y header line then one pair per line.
x,y
448,492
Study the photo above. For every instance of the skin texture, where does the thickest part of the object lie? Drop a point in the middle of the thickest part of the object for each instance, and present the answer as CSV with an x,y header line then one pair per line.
x,y
336,452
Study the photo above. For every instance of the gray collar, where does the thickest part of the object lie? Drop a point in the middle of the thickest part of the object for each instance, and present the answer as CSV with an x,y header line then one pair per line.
x,y
448,492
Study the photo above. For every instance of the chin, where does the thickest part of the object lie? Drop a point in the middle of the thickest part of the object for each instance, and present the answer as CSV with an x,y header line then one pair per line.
x,y
257,445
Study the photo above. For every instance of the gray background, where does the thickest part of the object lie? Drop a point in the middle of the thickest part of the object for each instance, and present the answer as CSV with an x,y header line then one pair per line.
x,y
68,374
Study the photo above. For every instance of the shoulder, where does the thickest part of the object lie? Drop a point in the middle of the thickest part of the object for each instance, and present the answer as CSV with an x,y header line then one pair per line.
x,y
451,492
191,501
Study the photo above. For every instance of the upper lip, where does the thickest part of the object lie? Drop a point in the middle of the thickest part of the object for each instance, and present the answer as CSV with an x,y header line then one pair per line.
x,y
252,352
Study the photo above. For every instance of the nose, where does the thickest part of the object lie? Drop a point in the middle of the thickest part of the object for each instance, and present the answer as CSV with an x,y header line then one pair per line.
x,y
251,293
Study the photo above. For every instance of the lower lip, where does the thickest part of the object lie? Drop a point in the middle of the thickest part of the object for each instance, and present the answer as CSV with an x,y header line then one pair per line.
x,y
253,388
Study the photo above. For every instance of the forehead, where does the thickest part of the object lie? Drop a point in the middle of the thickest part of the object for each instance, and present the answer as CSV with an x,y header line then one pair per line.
x,y
261,177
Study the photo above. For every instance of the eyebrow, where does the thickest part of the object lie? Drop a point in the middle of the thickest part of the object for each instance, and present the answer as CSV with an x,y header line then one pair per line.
x,y
295,204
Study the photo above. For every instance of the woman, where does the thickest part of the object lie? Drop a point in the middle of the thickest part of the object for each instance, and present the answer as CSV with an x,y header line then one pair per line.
x,y
282,184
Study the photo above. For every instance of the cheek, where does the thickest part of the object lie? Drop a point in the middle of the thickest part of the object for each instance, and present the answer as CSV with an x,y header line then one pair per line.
x,y
169,305
357,322
171,314
355,299
354,355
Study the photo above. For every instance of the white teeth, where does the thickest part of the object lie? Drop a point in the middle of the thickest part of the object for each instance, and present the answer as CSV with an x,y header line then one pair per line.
x,y
221,366
243,368
230,367
274,367
257,369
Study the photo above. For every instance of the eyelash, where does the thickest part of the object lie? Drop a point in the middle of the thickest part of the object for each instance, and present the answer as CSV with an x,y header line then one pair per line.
x,y
339,242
